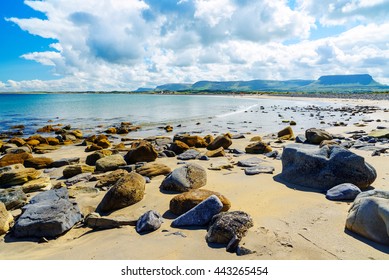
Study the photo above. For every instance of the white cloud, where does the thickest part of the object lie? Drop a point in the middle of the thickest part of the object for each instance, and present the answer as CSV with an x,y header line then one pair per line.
x,y
121,45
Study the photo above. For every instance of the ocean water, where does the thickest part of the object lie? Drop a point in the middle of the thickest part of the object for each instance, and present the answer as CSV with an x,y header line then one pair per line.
x,y
93,113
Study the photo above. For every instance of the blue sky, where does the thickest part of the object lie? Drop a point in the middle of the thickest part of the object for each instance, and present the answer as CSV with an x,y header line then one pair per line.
x,y
123,45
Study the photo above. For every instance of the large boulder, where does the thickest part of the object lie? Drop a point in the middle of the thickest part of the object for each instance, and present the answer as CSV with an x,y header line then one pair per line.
x,y
324,168
10,159
73,170
38,162
369,216
128,190
220,141
110,179
201,214
229,228
153,169
185,178
110,163
49,214
141,151
13,198
18,177
5,219
259,147
184,202
316,136
149,221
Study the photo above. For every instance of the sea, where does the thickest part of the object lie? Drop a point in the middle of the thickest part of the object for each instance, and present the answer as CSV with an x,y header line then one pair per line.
x,y
194,114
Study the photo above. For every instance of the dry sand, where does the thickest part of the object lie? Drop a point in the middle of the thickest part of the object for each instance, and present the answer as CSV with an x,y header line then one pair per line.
x,y
289,222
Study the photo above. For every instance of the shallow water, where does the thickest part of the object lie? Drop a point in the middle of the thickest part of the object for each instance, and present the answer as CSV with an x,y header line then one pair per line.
x,y
194,114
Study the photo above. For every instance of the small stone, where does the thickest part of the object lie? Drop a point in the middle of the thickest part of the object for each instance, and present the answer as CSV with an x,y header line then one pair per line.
x,y
149,221
346,191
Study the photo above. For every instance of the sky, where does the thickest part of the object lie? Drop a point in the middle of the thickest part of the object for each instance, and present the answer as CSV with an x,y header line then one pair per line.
x,y
61,45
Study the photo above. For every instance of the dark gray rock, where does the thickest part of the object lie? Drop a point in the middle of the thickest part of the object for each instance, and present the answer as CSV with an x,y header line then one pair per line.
x,y
300,138
149,221
169,153
229,228
49,214
250,162
83,177
369,216
65,161
324,168
187,177
201,214
203,157
188,155
344,191
13,198
259,170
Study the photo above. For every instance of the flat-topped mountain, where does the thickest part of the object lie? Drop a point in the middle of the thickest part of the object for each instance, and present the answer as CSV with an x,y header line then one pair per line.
x,y
330,83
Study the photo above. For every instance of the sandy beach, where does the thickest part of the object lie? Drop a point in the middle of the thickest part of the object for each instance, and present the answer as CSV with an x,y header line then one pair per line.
x,y
290,222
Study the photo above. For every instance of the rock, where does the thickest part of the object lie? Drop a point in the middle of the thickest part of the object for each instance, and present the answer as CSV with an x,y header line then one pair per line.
x,y
49,214
201,214
168,128
110,163
316,136
65,161
238,136
149,221
46,129
256,139
178,147
188,155
39,138
83,177
141,151
93,147
110,179
92,158
380,133
250,162
259,170
6,219
52,141
293,123
43,183
184,202
328,143
73,170
111,130
132,167
104,143
324,168
38,162
127,190
44,148
229,228
216,153
18,177
95,221
10,159
300,138
191,140
369,216
258,148
13,198
77,133
344,191
286,133
17,141
208,139
153,169
185,178
169,153
220,141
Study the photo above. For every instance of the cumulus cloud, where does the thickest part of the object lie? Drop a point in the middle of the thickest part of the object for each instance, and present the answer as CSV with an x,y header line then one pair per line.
x,y
122,45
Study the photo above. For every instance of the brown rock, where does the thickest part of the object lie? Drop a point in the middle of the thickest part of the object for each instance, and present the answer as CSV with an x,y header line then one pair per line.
x,y
33,142
168,128
17,141
104,143
110,179
208,139
141,151
6,219
10,159
46,129
44,148
73,170
93,148
92,158
178,147
18,177
77,133
38,162
328,143
216,153
52,141
37,184
128,190
220,141
120,147
184,202
258,148
191,140
316,136
286,133
111,130
256,138
153,169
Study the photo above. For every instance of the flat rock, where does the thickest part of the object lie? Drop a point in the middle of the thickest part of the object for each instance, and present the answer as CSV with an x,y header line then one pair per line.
x,y
184,202
191,140
38,162
110,163
49,214
95,221
323,168
94,157
18,177
250,162
380,133
189,154
259,170
201,214
43,183
344,191
187,177
149,221
83,177
65,161
10,159
153,169
13,198
128,190
73,170
369,216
